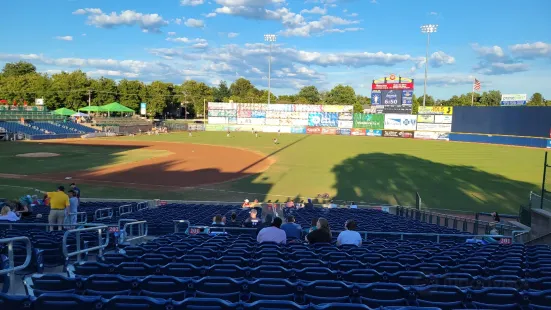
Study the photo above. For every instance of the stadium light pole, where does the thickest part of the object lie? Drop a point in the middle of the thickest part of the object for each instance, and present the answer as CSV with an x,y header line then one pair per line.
x,y
428,29
270,38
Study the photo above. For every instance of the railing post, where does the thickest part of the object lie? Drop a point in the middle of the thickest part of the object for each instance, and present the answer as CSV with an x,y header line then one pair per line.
x,y
12,269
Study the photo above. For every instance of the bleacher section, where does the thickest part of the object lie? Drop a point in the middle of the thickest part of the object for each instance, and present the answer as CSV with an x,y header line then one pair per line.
x,y
49,130
63,128
232,270
13,127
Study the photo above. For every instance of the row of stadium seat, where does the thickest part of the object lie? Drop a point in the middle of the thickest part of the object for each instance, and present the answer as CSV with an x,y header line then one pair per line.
x,y
315,292
309,272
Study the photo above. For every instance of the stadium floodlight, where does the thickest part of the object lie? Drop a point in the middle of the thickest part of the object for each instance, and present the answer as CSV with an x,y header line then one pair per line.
x,y
428,29
270,38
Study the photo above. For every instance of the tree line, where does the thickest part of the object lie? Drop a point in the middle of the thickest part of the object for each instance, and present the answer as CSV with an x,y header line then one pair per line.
x,y
20,82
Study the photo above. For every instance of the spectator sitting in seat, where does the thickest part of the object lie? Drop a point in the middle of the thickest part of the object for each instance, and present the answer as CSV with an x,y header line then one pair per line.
x,y
252,220
233,220
289,203
22,210
218,221
272,233
6,214
353,205
246,204
350,235
309,204
322,234
292,229
313,225
266,223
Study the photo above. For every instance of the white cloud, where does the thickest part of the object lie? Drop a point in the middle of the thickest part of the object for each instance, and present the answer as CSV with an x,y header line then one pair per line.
x,y
233,34
433,13
209,15
314,10
64,38
195,23
531,50
172,33
186,40
326,23
147,22
178,21
500,68
84,34
489,51
438,59
191,2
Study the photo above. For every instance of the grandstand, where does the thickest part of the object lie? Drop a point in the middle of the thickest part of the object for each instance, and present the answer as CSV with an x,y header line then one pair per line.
x,y
140,255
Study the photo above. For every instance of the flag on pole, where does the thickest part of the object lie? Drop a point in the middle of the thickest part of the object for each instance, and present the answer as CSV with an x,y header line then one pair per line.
x,y
476,85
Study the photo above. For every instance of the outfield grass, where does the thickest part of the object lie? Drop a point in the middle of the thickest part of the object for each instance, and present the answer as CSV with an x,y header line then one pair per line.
x,y
448,175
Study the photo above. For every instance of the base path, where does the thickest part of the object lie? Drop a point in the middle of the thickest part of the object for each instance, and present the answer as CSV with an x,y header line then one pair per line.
x,y
187,165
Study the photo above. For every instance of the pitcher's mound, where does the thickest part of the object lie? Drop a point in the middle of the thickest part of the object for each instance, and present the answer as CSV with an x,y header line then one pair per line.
x,y
38,155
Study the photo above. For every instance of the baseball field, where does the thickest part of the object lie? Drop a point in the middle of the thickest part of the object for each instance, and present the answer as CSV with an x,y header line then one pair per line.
x,y
210,166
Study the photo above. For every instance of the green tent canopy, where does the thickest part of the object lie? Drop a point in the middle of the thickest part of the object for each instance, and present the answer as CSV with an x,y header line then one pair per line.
x,y
115,107
64,112
91,108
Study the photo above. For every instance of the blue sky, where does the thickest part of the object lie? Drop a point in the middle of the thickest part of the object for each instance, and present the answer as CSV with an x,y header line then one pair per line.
x,y
505,44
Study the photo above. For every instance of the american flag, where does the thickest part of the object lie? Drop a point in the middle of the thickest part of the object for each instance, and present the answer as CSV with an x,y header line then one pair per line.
x,y
476,85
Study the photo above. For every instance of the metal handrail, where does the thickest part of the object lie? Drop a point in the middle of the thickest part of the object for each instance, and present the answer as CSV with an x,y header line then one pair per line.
x,y
80,251
98,214
82,216
125,209
12,268
129,235
177,224
45,225
142,205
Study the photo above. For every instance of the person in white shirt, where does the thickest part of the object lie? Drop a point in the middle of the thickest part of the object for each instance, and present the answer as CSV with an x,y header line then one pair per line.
x,y
353,205
273,233
350,235
8,215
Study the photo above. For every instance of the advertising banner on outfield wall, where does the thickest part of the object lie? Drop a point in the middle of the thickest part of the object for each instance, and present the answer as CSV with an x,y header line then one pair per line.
x,y
397,134
431,135
425,118
434,127
272,121
346,124
400,122
357,132
222,106
373,133
313,130
344,131
218,120
258,114
513,99
270,128
443,119
326,119
369,121
439,110
244,128
298,130
210,127
307,108
300,122
347,116
329,131
549,144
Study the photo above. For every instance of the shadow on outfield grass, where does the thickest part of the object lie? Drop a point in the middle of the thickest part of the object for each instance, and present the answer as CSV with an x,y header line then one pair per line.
x,y
394,178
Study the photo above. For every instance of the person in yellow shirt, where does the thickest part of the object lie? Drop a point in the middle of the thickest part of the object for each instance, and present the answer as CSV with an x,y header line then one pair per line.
x,y
58,202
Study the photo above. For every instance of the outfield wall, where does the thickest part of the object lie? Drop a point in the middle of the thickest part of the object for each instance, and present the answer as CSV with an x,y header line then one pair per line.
x,y
494,125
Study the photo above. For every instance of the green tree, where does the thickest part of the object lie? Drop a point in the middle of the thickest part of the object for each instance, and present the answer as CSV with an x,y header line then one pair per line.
x,y
221,93
414,105
490,98
311,94
363,100
194,95
241,88
428,102
536,100
159,95
129,93
341,94
358,107
287,99
69,90
104,91
18,68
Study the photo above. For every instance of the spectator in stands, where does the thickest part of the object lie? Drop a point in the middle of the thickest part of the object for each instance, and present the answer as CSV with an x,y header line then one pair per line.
x,y
313,225
309,204
266,223
76,190
322,234
6,214
292,229
72,209
332,204
218,221
495,217
252,220
58,202
22,210
272,233
246,204
349,235
289,203
353,205
233,220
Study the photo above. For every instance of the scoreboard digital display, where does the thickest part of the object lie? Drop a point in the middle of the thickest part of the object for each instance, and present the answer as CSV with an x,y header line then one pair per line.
x,y
392,91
